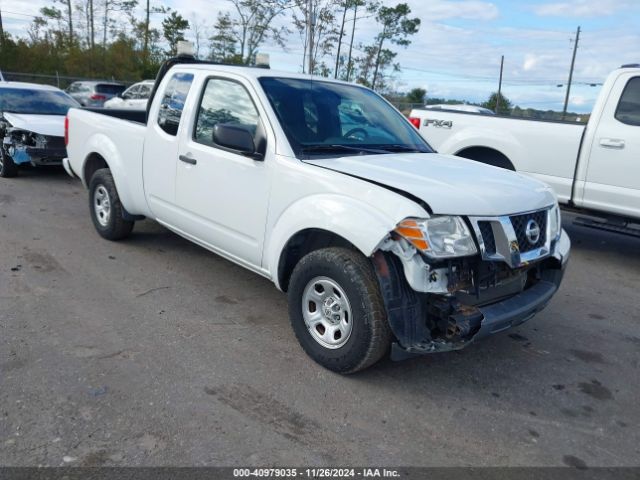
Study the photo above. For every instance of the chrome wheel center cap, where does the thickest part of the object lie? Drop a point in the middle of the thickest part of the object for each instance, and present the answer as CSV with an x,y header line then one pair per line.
x,y
331,307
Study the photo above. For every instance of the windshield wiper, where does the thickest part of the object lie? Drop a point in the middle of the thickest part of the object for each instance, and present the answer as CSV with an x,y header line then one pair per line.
x,y
340,148
396,147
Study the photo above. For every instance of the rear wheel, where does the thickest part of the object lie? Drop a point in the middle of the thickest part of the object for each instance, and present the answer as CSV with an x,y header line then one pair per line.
x,y
7,167
105,207
336,310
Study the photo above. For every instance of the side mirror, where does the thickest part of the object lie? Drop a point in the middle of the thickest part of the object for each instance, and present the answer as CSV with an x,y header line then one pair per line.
x,y
236,137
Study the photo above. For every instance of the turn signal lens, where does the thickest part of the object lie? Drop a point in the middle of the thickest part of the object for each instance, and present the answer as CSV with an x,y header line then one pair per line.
x,y
412,232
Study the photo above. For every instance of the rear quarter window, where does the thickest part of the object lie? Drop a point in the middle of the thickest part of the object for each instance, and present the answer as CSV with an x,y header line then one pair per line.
x,y
172,102
628,110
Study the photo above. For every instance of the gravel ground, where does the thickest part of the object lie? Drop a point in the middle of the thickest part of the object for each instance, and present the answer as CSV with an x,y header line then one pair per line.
x,y
153,351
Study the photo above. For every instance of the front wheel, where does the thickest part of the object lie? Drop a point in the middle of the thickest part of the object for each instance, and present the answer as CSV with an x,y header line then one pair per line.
x,y
8,169
336,310
105,207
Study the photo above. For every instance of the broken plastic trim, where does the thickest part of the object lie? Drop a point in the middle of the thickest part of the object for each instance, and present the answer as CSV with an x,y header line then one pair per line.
x,y
426,323
26,147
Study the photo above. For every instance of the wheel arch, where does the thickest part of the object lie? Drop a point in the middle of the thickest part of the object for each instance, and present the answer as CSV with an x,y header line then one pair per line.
x,y
302,243
93,162
487,155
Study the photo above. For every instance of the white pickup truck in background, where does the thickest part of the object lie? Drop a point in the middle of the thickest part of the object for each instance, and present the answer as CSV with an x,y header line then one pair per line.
x,y
593,168
328,191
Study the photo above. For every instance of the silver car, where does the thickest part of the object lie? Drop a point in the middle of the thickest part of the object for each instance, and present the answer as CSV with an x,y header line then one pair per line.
x,y
94,94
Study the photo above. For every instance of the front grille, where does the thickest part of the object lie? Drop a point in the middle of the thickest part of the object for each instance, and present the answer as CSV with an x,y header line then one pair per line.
x,y
487,237
520,222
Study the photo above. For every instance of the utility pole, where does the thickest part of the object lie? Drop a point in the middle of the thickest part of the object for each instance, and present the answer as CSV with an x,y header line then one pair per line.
x,y
1,30
344,16
573,62
353,33
499,86
310,32
145,49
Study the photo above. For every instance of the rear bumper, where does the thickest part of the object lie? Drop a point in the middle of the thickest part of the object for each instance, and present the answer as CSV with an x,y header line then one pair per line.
x,y
67,167
500,316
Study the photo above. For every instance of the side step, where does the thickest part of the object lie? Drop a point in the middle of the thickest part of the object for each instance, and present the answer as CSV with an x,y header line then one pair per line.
x,y
620,226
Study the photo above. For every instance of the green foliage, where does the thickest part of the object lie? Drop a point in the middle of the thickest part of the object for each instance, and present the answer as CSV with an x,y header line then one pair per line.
x,y
416,95
252,24
173,28
116,38
501,107
223,46
397,27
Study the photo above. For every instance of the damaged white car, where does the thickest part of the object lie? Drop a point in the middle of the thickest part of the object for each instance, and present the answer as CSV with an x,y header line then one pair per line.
x,y
328,191
31,125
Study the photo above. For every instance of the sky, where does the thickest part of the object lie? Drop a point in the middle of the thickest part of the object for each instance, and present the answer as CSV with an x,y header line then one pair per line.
x,y
456,53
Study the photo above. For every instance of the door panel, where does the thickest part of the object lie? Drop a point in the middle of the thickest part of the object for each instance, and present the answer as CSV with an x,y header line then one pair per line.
x,y
161,148
613,175
222,194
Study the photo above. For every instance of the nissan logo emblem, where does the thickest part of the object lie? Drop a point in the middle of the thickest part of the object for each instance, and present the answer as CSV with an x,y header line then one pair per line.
x,y
532,232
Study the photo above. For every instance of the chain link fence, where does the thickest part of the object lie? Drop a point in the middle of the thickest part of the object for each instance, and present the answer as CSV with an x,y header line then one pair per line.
x,y
60,81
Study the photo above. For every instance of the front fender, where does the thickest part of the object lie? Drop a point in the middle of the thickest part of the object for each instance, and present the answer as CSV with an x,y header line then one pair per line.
x,y
356,221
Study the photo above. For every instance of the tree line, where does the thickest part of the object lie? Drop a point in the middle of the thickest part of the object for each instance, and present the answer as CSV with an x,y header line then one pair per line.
x,y
118,39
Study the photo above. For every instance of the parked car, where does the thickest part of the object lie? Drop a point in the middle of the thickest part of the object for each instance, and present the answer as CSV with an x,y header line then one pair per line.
x,y
594,169
460,107
135,97
379,242
31,125
94,94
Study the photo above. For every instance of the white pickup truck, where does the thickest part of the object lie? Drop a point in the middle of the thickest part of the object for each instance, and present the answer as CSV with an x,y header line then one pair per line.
x,y
594,169
328,191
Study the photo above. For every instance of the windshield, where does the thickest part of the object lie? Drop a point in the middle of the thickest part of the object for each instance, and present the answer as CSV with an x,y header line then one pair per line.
x,y
333,119
42,102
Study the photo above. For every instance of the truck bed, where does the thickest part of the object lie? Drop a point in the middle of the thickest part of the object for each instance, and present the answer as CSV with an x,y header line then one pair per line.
x,y
100,133
137,116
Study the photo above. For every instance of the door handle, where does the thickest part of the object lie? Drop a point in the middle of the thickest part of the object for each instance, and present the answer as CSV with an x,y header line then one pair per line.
x,y
612,143
186,159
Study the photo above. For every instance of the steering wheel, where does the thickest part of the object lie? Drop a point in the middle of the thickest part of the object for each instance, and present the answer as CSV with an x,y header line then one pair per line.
x,y
354,131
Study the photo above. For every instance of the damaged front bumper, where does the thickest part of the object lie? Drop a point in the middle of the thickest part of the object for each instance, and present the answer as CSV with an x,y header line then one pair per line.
x,y
438,322
27,148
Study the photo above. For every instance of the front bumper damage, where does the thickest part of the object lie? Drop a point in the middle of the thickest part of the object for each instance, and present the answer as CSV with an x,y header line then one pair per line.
x,y
469,299
28,148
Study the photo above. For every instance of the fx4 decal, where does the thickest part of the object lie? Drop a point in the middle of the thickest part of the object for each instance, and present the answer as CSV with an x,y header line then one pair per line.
x,y
438,123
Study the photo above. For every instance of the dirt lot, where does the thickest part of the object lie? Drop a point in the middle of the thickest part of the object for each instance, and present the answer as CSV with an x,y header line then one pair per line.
x,y
155,352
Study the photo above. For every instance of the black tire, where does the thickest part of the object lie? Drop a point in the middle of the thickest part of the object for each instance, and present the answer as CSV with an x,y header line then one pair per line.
x,y
8,169
111,226
370,335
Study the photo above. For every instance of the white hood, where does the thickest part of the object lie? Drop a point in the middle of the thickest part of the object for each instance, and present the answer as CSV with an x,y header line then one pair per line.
x,y
51,125
448,184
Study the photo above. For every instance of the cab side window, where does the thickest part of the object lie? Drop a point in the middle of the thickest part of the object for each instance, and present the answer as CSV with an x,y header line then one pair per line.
x,y
144,92
628,110
172,102
130,93
228,102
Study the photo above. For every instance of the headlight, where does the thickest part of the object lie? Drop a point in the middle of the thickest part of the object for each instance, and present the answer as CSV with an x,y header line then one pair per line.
x,y
555,222
438,237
